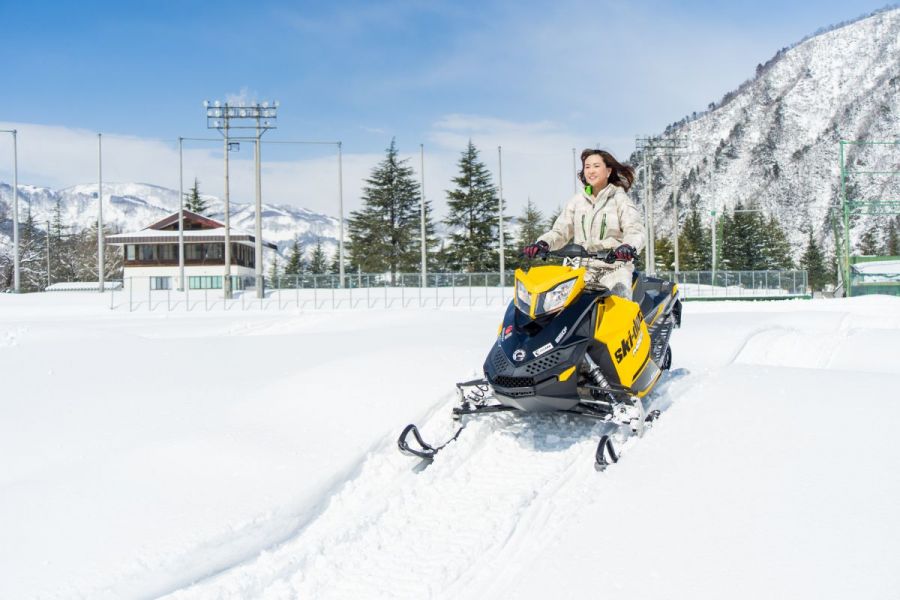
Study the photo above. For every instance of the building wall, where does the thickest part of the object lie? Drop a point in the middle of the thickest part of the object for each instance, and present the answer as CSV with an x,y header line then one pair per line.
x,y
140,279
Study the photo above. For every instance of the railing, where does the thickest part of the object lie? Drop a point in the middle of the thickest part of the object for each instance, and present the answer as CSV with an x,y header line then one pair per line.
x,y
736,285
441,290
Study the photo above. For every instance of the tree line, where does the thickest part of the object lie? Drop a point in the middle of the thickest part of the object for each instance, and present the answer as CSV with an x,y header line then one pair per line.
x,y
55,253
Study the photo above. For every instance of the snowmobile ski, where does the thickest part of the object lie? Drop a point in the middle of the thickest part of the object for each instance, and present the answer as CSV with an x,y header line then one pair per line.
x,y
425,450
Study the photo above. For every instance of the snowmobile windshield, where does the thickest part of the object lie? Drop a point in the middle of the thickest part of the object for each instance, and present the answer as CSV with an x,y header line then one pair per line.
x,y
546,289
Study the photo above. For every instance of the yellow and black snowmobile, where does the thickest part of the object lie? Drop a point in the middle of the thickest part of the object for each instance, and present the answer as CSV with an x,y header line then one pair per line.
x,y
562,347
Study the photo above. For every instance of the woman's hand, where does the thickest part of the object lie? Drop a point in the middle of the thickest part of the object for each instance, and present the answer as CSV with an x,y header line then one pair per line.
x,y
625,252
540,247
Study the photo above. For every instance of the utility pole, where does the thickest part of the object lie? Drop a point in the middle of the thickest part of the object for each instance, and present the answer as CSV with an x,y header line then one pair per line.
x,y
341,215
48,252
260,117
180,214
422,199
500,201
574,172
650,147
15,194
100,261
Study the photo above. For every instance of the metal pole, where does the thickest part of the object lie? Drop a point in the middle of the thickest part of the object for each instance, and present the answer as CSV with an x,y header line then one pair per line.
x,y
651,229
181,214
48,252
677,191
260,282
341,216
17,278
500,209
226,283
845,260
713,212
100,269
574,172
422,195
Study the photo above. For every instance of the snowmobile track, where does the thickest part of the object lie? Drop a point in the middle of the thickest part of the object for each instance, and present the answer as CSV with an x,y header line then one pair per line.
x,y
490,497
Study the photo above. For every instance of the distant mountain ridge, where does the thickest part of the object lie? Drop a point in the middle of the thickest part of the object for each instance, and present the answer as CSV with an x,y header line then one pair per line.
x,y
773,143
134,206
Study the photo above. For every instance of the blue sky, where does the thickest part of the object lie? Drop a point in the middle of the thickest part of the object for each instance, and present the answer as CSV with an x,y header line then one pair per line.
x,y
537,78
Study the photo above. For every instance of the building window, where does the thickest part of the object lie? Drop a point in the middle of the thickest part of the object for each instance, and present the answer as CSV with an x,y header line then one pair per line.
x,y
167,252
215,251
129,252
146,252
205,282
193,252
160,283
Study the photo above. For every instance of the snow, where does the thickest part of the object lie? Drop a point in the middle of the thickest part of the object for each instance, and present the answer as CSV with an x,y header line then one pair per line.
x,y
252,454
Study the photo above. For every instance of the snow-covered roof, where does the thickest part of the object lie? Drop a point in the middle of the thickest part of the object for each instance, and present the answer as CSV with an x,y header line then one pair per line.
x,y
211,231
82,286
878,267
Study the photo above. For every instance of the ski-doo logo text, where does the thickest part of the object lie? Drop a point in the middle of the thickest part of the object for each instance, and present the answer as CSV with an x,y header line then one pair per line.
x,y
519,355
632,340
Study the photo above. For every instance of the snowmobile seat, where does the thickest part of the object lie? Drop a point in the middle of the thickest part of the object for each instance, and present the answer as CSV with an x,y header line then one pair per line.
x,y
648,291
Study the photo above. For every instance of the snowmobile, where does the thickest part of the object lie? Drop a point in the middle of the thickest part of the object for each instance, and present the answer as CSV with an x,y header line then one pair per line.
x,y
564,348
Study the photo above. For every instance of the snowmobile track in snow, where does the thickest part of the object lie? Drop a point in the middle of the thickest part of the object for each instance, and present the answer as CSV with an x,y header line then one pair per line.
x,y
395,531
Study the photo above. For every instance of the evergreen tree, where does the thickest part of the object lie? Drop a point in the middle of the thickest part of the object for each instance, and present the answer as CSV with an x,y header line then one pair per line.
x,y
318,262
744,240
777,255
664,254
32,256
552,219
334,267
275,273
385,233
62,265
295,263
814,263
474,216
531,226
694,249
868,244
193,202
893,239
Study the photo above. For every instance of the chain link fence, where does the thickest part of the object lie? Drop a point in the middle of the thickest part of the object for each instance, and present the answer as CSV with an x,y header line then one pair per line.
x,y
404,291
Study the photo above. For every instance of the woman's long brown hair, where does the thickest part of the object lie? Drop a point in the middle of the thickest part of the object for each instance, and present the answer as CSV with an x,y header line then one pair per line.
x,y
622,175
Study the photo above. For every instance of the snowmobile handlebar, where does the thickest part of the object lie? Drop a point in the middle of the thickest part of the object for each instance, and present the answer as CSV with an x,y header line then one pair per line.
x,y
577,251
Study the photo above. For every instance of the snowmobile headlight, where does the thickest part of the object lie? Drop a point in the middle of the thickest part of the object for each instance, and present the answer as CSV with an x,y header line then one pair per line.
x,y
523,298
556,297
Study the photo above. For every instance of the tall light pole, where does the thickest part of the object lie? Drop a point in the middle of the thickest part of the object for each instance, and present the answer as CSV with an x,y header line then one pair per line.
x,y
15,192
422,218
341,215
260,117
649,146
100,261
180,214
500,210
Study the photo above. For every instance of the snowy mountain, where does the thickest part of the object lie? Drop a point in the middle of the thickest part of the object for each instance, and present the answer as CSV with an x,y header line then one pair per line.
x,y
773,142
133,206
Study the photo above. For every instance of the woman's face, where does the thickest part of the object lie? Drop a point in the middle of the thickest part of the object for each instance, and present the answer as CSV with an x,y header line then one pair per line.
x,y
596,173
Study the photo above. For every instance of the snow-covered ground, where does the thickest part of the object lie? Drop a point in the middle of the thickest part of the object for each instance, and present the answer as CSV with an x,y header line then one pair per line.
x,y
232,455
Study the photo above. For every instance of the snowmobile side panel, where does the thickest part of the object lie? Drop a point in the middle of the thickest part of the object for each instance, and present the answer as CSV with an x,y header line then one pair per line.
x,y
621,328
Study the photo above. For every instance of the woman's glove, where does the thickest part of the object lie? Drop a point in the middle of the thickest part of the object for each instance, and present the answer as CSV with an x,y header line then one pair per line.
x,y
540,247
625,252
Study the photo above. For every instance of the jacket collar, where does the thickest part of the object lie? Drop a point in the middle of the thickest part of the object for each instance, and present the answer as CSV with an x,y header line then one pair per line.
x,y
605,193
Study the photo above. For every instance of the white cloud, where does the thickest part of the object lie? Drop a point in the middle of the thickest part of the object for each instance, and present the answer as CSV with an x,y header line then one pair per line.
x,y
537,163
